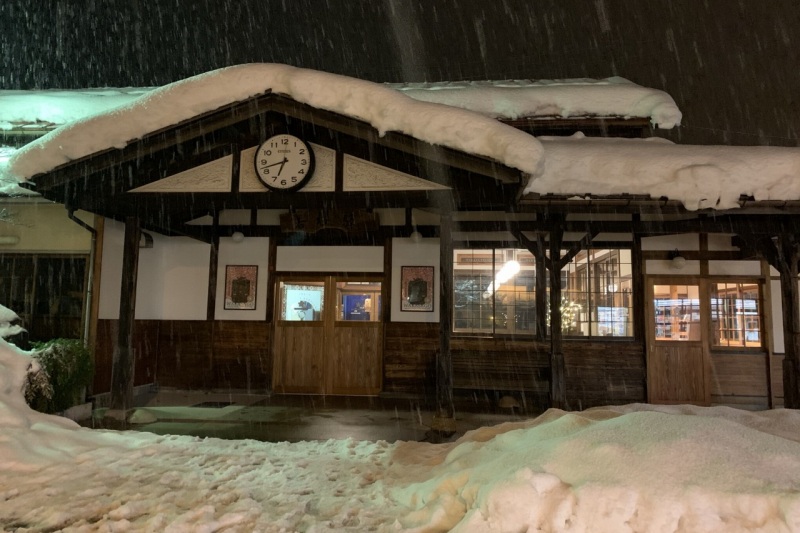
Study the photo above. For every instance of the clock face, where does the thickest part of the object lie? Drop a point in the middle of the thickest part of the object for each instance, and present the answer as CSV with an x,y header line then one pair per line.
x,y
284,163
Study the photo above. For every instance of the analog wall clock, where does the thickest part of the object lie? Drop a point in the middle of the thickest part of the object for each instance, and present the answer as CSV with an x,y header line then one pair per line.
x,y
284,163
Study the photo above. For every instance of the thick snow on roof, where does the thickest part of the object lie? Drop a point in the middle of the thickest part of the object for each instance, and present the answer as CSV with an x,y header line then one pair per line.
x,y
698,176
47,108
577,98
506,99
384,108
635,468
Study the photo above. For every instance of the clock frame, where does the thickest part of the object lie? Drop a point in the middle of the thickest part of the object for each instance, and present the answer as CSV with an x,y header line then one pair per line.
x,y
284,163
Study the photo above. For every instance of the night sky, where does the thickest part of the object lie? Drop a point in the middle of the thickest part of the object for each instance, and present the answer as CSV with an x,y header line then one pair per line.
x,y
732,66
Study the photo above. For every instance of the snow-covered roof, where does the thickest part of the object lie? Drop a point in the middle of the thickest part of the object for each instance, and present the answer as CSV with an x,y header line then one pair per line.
x,y
384,108
568,98
55,107
506,99
698,176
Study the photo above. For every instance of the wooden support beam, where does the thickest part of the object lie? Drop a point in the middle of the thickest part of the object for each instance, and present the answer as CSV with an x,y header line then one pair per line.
x,y
124,358
558,387
790,301
445,410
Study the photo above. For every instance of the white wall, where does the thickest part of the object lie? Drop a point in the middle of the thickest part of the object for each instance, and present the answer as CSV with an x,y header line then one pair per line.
x,y
251,251
172,281
407,253
329,259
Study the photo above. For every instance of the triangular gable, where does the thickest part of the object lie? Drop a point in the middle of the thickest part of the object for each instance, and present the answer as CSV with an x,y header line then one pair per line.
x,y
214,176
362,175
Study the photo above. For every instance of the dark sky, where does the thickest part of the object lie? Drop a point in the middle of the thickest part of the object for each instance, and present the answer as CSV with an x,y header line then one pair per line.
x,y
732,66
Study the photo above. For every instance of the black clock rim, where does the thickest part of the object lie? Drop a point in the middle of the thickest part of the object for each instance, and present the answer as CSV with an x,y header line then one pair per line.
x,y
297,186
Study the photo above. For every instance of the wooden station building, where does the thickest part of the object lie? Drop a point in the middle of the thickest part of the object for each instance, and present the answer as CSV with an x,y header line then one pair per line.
x,y
396,267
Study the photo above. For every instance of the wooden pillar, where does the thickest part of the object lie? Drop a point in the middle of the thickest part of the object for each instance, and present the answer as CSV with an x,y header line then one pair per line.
x,y
541,289
790,300
445,411
124,359
558,389
213,272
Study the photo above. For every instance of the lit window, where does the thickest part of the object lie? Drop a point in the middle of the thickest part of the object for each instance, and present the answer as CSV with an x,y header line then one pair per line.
x,y
735,314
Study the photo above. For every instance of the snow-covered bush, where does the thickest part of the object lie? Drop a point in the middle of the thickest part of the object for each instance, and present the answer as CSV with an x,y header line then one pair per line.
x,y
67,367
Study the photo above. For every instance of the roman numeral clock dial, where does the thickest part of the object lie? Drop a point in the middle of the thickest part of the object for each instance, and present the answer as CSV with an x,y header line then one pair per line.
x,y
284,163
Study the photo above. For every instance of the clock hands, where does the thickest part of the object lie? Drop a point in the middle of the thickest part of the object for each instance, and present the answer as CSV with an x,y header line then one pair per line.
x,y
281,163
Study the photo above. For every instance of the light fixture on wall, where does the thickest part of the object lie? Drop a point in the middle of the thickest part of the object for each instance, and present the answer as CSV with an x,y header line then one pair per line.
x,y
677,260
237,236
416,237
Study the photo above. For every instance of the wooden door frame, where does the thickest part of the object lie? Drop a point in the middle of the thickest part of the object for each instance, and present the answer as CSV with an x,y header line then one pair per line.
x,y
705,328
329,322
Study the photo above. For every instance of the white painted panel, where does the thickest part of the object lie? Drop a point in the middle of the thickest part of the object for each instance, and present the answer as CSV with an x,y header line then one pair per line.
x,y
777,317
172,277
664,267
251,251
721,242
111,270
184,278
407,253
687,241
734,268
234,217
329,259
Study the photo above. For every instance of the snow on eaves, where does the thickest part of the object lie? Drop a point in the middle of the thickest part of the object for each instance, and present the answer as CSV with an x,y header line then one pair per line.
x,y
54,107
568,98
700,177
384,108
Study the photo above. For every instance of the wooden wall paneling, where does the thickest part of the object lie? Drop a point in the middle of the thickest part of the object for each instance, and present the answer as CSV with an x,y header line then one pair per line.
x,y
106,333
777,379
739,379
184,360
604,373
355,364
146,350
241,356
409,357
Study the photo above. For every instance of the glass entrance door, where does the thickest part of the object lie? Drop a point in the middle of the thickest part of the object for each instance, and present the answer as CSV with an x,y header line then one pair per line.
x,y
328,336
677,357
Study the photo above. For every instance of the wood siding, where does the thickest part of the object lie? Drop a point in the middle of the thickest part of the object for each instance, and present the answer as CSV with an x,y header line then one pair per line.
x,y
191,354
409,351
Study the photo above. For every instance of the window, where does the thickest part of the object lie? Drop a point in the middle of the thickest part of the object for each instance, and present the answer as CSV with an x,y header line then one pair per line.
x,y
302,301
735,315
358,301
493,291
596,294
677,312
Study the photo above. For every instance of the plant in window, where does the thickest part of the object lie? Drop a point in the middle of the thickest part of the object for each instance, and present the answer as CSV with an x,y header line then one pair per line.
x,y
569,315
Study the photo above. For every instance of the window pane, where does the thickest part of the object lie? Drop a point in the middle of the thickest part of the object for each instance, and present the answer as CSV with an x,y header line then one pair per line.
x,y
472,277
493,291
735,314
513,284
677,312
574,295
610,293
358,301
301,301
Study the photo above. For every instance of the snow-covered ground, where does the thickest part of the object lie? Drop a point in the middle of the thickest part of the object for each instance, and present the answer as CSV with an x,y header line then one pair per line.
x,y
616,469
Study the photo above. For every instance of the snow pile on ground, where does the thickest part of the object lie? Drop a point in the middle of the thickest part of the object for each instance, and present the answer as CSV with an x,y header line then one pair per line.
x,y
382,107
697,176
617,469
511,99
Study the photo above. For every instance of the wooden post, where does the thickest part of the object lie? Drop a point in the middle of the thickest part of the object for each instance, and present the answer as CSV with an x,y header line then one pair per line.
x,y
790,301
541,289
123,361
558,389
444,420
